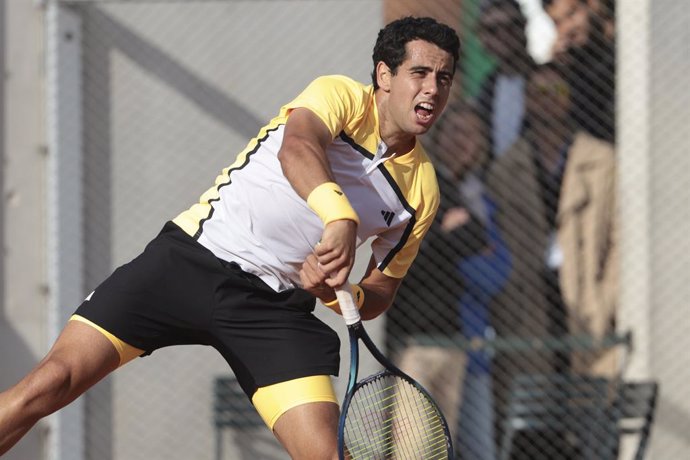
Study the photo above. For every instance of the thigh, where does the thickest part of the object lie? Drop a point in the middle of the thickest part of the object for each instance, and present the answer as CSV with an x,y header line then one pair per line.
x,y
84,354
309,431
80,357
274,401
163,297
125,351
269,337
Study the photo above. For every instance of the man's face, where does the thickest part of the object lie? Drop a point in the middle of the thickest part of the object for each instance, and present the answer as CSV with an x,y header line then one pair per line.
x,y
571,18
502,32
419,90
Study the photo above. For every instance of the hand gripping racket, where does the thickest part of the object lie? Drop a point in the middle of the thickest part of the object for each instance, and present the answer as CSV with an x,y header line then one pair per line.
x,y
387,415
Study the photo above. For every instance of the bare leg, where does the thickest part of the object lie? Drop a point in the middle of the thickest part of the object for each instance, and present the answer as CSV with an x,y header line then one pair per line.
x,y
80,357
309,431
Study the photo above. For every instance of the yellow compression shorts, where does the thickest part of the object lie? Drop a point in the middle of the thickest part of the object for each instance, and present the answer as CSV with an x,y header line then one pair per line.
x,y
126,351
272,401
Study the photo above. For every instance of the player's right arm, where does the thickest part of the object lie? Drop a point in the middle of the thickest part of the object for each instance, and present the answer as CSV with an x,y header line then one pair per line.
x,y
302,154
305,165
376,288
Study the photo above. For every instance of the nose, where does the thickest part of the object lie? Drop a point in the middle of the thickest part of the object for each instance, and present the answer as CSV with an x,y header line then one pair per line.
x,y
431,84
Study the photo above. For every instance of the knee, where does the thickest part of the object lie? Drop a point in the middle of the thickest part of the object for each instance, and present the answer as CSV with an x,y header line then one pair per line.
x,y
47,387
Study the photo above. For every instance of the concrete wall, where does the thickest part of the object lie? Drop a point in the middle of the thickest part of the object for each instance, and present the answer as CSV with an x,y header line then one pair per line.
x,y
655,170
217,70
23,310
172,92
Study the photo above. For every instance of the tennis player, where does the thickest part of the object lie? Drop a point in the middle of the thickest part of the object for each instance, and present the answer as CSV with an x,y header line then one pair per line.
x,y
240,269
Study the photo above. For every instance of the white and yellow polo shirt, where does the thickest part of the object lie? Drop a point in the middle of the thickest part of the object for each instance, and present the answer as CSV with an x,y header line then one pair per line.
x,y
252,215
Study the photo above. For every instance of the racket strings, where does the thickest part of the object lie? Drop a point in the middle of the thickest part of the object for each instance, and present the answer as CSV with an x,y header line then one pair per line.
x,y
389,418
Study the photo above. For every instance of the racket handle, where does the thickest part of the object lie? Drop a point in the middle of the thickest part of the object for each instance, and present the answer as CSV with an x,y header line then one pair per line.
x,y
347,304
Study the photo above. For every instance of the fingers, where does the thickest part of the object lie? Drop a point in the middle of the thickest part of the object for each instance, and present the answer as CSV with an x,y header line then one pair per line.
x,y
311,274
338,278
332,260
336,251
314,281
330,263
330,269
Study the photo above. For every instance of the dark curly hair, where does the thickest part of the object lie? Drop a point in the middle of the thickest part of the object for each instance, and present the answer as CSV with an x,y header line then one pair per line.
x,y
391,41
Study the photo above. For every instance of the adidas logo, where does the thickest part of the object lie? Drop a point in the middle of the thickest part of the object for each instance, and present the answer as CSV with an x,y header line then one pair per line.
x,y
388,217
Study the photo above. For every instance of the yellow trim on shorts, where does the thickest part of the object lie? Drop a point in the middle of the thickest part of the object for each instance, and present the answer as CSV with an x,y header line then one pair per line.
x,y
272,401
127,352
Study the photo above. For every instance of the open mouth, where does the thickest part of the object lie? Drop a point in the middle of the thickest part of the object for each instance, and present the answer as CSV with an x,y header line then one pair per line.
x,y
424,111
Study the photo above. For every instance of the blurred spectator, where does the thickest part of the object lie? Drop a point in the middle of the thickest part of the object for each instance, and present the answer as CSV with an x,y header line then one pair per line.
x,y
555,194
502,32
585,44
461,154
606,10
483,271
427,301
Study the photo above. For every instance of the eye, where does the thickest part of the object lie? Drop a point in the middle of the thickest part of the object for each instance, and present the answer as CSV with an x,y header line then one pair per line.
x,y
445,80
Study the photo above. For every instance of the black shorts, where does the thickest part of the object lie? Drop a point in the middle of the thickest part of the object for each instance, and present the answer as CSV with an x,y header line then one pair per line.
x,y
178,292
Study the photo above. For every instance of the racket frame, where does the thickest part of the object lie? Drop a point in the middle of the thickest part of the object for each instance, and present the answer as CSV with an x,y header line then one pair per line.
x,y
356,332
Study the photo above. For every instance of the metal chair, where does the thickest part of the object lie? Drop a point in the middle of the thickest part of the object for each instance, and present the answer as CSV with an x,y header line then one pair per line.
x,y
634,408
561,416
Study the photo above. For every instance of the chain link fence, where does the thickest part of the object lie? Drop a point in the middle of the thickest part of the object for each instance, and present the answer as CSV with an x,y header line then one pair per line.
x,y
172,91
513,301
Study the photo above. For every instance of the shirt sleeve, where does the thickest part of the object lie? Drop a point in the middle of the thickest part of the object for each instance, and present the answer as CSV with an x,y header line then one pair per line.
x,y
335,99
395,255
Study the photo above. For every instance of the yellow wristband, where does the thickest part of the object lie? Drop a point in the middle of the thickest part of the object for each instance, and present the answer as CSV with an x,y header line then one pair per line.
x,y
357,294
332,303
330,203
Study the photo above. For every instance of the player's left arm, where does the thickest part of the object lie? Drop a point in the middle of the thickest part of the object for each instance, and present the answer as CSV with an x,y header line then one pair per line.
x,y
378,289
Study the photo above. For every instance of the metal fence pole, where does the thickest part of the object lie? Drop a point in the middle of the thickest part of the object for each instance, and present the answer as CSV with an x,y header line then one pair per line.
x,y
64,223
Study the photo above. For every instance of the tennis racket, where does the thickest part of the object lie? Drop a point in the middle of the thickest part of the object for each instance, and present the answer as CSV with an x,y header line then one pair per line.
x,y
387,415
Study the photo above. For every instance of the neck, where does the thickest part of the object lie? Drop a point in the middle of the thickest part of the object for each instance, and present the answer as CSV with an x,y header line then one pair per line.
x,y
398,145
398,142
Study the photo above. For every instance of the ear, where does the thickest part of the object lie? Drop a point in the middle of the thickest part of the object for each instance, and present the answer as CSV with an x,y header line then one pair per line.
x,y
383,76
